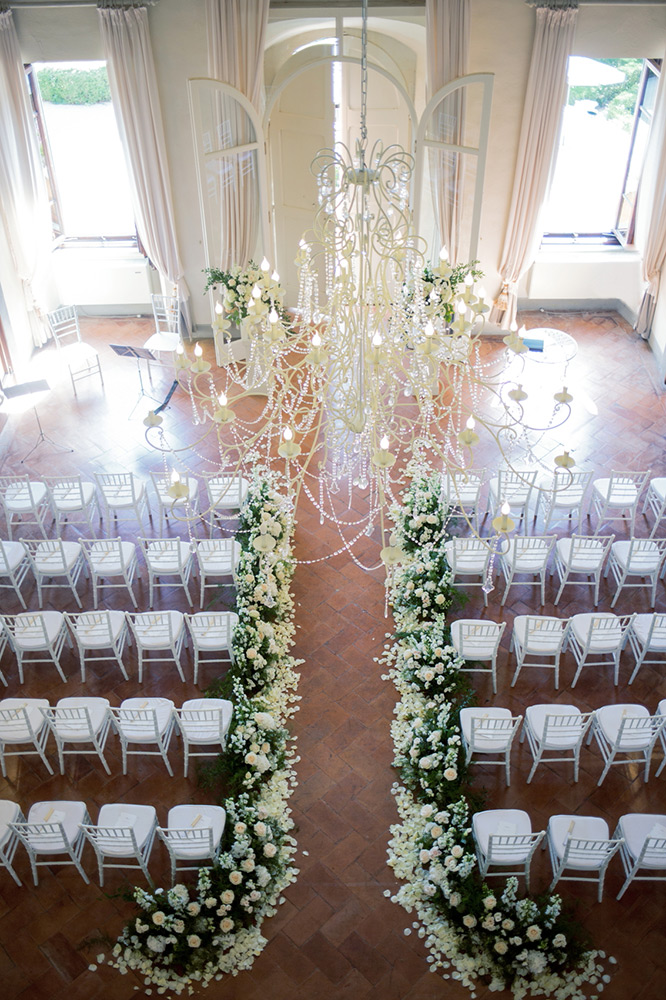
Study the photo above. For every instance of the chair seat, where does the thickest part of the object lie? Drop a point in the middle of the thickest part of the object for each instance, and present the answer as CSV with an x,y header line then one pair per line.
x,y
25,635
123,816
69,814
206,730
587,560
162,342
106,562
516,495
121,496
535,716
488,740
530,561
621,495
18,500
643,562
605,642
542,642
217,563
155,635
168,560
17,732
71,498
211,636
227,493
96,636
641,627
79,353
138,728
502,822
562,828
73,731
183,816
475,647
609,719
636,828
15,553
9,813
50,563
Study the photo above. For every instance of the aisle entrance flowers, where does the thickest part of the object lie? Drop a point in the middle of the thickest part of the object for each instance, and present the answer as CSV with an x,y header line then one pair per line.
x,y
195,934
530,946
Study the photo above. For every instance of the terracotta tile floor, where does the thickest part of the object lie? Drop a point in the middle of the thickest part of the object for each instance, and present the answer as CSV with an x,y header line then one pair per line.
x,y
336,935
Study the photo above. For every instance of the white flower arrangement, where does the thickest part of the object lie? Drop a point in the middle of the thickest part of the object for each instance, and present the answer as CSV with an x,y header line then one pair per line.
x,y
248,293
187,936
471,933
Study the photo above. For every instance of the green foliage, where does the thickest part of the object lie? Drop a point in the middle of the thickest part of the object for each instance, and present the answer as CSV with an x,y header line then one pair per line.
x,y
74,86
616,100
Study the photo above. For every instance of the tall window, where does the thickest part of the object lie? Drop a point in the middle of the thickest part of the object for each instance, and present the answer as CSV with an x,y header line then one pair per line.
x,y
604,131
81,152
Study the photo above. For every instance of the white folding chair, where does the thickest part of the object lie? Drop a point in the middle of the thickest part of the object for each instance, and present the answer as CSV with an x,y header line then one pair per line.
x,y
212,632
226,494
217,558
488,731
597,640
536,640
643,847
563,494
26,500
70,496
123,831
96,631
580,844
158,631
582,556
193,834
203,722
182,507
461,492
79,721
37,632
478,642
144,722
14,567
10,812
53,829
556,730
617,496
647,634
641,557
655,500
470,557
514,486
81,358
52,559
4,642
124,497
623,731
661,710
526,555
504,839
107,559
166,313
22,724
169,561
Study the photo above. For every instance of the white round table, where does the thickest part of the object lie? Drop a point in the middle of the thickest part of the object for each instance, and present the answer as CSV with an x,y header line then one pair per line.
x,y
558,347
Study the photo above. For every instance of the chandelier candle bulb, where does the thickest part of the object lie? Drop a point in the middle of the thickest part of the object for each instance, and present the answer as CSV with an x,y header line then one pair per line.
x,y
288,449
382,457
178,489
518,394
468,436
181,361
564,396
564,461
199,365
317,355
265,266
152,419
223,414
503,524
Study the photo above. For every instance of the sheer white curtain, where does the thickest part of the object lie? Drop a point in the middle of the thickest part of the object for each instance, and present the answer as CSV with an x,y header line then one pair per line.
x,y
131,70
652,212
447,41
24,203
236,41
546,89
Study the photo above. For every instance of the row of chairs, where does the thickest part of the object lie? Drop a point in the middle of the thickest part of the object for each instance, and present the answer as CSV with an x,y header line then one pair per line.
x,y
577,844
112,562
556,733
102,636
580,559
613,498
82,726
114,496
595,640
57,831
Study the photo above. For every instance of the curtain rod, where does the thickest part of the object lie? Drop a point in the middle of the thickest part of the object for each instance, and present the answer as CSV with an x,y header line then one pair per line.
x,y
15,5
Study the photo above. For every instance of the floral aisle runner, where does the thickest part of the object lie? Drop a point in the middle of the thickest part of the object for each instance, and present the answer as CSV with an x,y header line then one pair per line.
x,y
528,946
195,934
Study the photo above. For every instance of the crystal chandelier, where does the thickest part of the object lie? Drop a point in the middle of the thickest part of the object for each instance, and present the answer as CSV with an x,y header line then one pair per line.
x,y
383,371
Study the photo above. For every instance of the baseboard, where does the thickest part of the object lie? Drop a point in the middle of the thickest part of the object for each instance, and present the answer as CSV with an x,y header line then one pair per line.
x,y
578,305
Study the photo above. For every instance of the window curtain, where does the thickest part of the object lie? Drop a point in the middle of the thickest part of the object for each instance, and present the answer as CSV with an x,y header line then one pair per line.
x,y
136,104
447,45
24,202
236,42
544,98
652,211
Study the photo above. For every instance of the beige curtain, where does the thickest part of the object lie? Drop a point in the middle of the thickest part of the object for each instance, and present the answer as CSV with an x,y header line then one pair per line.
x,y
544,98
133,84
24,202
236,41
447,41
651,211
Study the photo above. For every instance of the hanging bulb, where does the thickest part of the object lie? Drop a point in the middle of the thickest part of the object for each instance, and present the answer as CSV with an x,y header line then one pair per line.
x,y
461,308
382,457
265,266
177,490
468,436
218,308
273,316
198,350
275,276
199,365
288,449
287,434
429,329
443,254
377,340
256,292
513,326
175,476
316,340
180,350
503,524
384,443
469,280
222,399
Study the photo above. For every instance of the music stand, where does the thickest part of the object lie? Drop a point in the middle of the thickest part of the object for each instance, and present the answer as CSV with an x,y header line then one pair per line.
x,y
139,353
33,389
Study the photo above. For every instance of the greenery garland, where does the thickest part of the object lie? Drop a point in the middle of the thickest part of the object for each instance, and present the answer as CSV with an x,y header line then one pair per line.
x,y
530,946
196,934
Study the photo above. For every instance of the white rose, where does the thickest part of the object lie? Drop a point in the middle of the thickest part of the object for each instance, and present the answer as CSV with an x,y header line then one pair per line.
x,y
469,920
533,932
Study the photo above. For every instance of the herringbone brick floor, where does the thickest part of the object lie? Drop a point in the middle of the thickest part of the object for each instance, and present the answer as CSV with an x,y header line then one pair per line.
x,y
336,935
